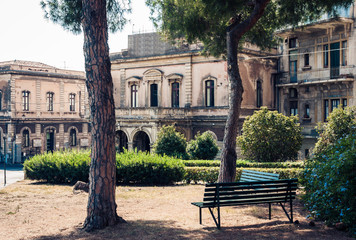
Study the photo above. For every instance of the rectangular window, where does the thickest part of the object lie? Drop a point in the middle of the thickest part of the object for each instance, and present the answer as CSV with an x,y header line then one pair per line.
x,y
307,111
72,102
326,109
292,42
209,93
344,53
293,108
306,59
134,96
326,55
175,94
293,66
50,101
25,100
344,102
335,104
154,95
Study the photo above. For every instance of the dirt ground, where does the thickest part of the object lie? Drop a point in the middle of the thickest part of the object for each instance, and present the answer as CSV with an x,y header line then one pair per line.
x,y
33,210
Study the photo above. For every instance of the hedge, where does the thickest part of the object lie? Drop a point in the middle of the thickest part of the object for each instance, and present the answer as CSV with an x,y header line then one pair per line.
x,y
133,168
210,174
59,167
146,168
244,164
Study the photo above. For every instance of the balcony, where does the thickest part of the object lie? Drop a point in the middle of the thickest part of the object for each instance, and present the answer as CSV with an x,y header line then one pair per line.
x,y
316,76
169,113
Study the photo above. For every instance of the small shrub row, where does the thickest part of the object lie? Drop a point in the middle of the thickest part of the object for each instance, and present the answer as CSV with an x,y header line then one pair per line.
x,y
59,167
132,167
210,174
146,168
244,164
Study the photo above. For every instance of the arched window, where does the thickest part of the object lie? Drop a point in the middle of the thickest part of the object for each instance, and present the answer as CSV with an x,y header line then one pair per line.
x,y
26,138
72,102
209,93
73,137
134,96
175,94
259,94
50,96
25,100
154,95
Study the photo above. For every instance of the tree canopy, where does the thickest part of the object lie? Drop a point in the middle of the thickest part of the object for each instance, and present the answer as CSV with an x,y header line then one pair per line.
x,y
69,13
223,27
208,21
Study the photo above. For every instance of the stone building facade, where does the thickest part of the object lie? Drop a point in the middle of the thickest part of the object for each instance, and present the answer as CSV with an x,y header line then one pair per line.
x,y
157,84
42,108
317,71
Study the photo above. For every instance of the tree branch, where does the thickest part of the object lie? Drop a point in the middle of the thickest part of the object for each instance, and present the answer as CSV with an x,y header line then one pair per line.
x,y
238,29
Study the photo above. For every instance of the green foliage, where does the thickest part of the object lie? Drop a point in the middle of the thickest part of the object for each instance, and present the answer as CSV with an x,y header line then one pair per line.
x,y
204,146
244,164
269,136
340,124
170,143
329,176
68,13
208,21
59,167
146,168
210,174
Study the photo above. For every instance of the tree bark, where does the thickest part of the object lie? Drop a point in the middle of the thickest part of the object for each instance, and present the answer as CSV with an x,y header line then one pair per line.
x,y
101,209
235,31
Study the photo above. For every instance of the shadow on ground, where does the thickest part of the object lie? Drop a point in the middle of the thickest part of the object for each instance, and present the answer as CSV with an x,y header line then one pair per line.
x,y
169,230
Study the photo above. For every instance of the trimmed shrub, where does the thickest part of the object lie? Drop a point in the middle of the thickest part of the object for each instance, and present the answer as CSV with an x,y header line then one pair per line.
x,y
203,146
269,136
170,143
210,174
59,167
340,123
146,168
244,164
330,177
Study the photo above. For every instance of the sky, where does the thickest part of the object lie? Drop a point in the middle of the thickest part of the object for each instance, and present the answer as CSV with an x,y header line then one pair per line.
x,y
26,35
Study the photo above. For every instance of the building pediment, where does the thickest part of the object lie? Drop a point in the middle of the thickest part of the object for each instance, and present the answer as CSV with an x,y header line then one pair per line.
x,y
152,75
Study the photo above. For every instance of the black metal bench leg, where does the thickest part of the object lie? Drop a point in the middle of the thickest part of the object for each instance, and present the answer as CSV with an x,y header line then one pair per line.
x,y
269,208
217,223
200,221
291,210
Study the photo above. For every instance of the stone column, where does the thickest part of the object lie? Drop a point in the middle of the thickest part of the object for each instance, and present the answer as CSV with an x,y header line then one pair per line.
x,y
188,83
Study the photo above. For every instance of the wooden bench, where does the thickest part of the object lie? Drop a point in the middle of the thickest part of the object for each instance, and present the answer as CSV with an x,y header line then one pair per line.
x,y
219,195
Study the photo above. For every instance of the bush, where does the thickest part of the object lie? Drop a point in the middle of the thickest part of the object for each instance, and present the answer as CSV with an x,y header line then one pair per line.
x,y
204,146
210,174
146,168
59,167
340,123
244,164
170,143
330,177
269,136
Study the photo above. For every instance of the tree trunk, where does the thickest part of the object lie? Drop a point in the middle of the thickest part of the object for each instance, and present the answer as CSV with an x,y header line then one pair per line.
x,y
234,33
227,171
101,209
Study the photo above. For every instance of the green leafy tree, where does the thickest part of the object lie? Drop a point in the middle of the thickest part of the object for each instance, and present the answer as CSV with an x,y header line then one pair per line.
x,y
204,146
94,18
340,123
170,142
329,176
269,136
223,27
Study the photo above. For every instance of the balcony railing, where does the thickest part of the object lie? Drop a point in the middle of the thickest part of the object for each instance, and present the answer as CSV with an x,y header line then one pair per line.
x,y
318,75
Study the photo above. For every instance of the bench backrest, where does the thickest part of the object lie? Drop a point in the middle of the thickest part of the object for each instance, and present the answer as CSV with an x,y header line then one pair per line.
x,y
230,194
249,175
